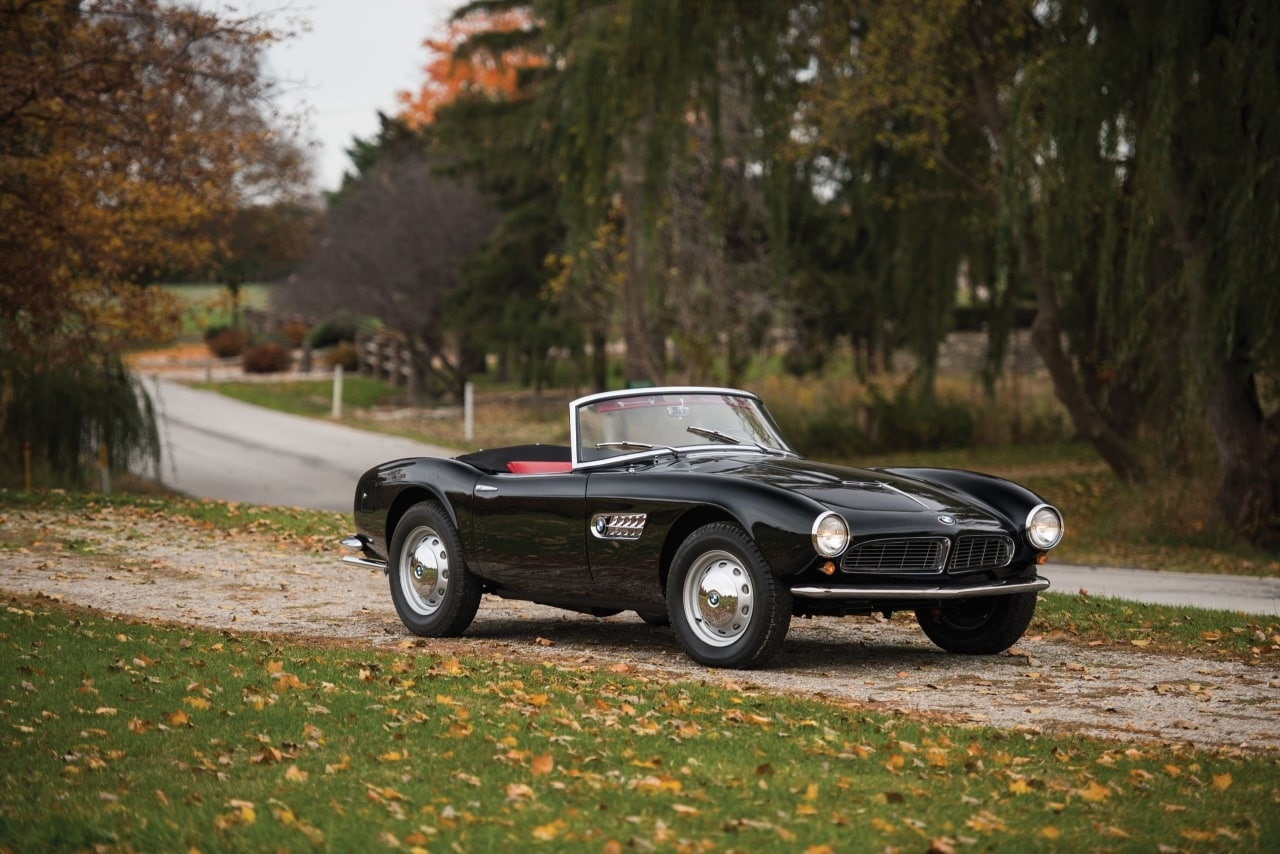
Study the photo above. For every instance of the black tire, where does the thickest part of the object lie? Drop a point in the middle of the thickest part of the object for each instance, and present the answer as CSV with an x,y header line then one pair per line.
x,y
727,607
981,626
433,592
654,618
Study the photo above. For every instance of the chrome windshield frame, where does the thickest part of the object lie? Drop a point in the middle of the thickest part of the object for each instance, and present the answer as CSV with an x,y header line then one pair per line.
x,y
577,406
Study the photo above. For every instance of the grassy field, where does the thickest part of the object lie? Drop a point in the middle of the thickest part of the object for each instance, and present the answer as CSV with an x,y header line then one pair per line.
x,y
122,735
501,417
210,305
307,397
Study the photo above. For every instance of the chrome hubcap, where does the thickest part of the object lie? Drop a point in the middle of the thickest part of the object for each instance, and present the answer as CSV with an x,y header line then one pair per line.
x,y
424,571
718,598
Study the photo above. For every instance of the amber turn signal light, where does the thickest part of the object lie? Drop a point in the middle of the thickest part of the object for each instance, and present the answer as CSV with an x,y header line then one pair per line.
x,y
828,568
1042,558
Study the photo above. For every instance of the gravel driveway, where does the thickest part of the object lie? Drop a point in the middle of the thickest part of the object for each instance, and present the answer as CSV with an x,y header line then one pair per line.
x,y
151,569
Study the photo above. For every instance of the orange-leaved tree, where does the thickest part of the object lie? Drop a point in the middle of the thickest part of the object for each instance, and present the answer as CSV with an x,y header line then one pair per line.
x,y
480,55
127,129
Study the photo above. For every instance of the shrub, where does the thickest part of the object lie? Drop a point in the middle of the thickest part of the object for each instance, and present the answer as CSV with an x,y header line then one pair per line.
x,y
345,354
224,342
293,332
269,358
334,331
845,420
213,329
912,421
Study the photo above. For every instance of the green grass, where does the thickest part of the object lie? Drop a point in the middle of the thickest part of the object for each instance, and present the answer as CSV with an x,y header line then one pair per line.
x,y
308,397
1163,524
288,525
210,304
1180,630
502,418
121,735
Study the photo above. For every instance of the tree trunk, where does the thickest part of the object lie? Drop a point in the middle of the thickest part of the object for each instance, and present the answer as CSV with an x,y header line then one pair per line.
x,y
1248,441
599,360
1249,456
1046,337
1046,330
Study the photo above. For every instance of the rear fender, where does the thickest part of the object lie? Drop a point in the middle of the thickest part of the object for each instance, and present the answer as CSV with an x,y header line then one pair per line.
x,y
403,484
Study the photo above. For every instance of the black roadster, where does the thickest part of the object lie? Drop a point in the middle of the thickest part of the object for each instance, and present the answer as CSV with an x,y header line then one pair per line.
x,y
688,507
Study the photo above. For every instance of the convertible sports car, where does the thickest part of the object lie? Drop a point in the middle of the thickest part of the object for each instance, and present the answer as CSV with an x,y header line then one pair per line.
x,y
688,507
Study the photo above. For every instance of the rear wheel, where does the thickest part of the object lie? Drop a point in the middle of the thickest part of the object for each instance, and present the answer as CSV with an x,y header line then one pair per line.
x,y
727,607
433,592
980,626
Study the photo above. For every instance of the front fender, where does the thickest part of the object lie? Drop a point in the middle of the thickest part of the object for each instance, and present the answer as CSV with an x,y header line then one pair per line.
x,y
780,522
1009,500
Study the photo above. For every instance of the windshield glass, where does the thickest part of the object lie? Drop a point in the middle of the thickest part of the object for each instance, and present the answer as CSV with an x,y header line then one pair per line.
x,y
618,426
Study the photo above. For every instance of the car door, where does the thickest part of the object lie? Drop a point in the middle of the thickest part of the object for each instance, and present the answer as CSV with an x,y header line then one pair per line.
x,y
530,534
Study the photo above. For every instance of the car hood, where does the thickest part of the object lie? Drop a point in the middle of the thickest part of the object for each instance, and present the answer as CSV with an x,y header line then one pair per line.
x,y
864,490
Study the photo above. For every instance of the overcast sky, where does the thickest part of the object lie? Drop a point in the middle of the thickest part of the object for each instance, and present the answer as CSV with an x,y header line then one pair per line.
x,y
350,65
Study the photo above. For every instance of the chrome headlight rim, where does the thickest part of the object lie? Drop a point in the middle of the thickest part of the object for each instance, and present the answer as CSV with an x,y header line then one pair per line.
x,y
1033,526
830,534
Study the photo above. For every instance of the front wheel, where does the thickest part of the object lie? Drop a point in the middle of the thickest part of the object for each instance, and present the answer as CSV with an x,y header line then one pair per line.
x,y
433,592
980,626
727,607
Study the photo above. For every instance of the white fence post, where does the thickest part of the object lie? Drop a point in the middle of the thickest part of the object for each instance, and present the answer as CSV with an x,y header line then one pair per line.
x,y
469,412
337,391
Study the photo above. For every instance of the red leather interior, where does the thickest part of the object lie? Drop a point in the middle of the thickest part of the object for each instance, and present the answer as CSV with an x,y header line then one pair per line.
x,y
538,467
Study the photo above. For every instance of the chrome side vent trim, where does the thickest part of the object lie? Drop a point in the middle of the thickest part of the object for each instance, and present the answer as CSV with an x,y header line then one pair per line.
x,y
618,526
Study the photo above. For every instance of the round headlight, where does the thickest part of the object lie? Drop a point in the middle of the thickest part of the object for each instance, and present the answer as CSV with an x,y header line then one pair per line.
x,y
1044,527
830,534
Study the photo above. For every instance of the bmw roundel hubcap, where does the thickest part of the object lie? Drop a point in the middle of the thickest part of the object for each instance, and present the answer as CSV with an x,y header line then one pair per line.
x,y
718,598
424,571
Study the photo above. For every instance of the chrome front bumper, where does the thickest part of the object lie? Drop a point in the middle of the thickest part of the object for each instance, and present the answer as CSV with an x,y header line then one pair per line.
x,y
362,559
878,594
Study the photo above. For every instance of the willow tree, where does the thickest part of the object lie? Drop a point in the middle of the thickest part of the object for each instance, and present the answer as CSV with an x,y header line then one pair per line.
x,y
1148,131
1204,79
930,74
637,107
1113,135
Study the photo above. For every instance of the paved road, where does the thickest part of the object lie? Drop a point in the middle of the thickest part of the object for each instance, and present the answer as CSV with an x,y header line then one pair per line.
x,y
1250,594
216,447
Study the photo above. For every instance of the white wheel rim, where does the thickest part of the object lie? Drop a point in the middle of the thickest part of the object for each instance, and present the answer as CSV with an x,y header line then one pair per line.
x,y
719,598
424,571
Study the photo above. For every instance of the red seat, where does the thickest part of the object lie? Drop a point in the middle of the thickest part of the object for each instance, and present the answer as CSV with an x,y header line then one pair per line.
x,y
538,466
